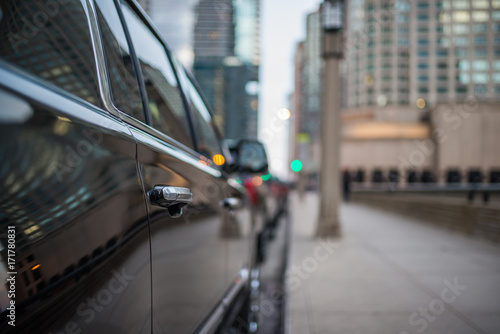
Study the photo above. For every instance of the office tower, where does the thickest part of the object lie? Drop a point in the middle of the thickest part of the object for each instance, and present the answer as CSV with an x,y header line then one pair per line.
x,y
404,52
307,99
411,67
226,62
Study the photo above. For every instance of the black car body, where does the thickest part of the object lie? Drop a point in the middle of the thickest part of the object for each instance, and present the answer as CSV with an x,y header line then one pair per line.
x,y
96,113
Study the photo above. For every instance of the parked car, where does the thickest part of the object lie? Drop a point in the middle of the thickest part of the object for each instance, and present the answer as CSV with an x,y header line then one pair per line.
x,y
119,209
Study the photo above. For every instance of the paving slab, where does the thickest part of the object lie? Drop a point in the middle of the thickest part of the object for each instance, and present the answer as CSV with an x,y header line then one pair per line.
x,y
389,274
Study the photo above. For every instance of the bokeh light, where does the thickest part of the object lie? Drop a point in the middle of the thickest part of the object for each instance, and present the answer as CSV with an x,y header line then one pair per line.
x,y
296,166
219,159
257,181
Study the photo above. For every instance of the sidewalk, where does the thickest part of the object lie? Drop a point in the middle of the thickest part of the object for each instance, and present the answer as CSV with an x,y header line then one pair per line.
x,y
389,274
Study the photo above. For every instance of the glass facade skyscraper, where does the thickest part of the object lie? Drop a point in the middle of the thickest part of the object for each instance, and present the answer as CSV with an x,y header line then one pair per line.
x,y
226,62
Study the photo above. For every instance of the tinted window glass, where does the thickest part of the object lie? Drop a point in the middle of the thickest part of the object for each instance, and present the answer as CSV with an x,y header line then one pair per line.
x,y
164,98
52,41
208,143
124,87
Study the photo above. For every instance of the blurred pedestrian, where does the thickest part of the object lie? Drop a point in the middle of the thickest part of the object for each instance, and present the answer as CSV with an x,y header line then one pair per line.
x,y
346,180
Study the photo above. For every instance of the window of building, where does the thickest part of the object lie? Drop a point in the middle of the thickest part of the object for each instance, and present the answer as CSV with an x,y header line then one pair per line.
x,y
461,4
481,40
480,16
463,65
443,17
461,16
480,27
442,53
60,51
423,17
423,66
480,65
461,41
124,86
460,29
423,90
403,42
442,78
168,114
442,66
423,29
443,4
496,77
402,18
461,90
480,52
423,53
495,15
496,64
442,90
423,78
495,3
461,53
423,41
480,4
423,5
481,78
443,42
464,78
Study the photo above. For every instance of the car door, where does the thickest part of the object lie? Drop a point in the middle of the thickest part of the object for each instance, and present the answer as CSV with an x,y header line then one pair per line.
x,y
69,184
188,253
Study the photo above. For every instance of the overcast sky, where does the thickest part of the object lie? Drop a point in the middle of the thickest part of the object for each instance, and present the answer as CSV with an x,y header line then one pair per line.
x,y
283,26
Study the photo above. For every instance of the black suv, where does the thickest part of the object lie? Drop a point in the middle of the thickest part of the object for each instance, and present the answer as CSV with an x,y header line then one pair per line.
x,y
118,209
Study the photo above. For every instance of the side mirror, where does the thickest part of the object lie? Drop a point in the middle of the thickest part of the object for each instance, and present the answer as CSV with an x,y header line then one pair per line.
x,y
249,156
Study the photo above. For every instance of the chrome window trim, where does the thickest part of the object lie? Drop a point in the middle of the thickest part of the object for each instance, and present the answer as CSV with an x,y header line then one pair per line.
x,y
100,62
145,135
104,84
78,110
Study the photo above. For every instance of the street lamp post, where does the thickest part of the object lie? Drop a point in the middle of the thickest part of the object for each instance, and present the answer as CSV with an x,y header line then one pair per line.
x,y
332,23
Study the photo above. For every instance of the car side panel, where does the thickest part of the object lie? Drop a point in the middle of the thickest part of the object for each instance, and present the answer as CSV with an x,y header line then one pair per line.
x,y
70,187
189,254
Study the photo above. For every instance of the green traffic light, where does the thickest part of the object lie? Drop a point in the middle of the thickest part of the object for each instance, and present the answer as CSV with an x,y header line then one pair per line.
x,y
296,166
265,177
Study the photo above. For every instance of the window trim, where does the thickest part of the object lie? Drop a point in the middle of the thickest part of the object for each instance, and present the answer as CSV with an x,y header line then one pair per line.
x,y
143,17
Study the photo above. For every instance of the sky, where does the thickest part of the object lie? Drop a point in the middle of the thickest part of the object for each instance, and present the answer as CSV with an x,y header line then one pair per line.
x,y
282,27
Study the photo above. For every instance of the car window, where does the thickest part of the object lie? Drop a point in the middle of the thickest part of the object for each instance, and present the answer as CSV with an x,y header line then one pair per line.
x,y
55,47
208,142
124,86
168,114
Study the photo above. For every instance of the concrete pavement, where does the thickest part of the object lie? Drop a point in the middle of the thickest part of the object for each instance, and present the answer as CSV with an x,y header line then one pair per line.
x,y
389,274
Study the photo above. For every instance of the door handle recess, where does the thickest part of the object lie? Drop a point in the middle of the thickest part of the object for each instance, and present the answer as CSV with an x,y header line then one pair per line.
x,y
172,198
230,203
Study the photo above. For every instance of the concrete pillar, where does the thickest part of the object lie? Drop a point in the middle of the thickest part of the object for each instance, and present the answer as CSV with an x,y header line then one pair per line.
x,y
330,179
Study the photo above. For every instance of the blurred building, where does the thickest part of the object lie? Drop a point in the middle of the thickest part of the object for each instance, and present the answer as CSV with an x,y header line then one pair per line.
x,y
306,105
226,62
422,87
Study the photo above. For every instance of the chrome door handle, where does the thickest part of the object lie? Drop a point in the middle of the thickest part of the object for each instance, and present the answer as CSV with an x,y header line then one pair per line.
x,y
231,203
172,198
